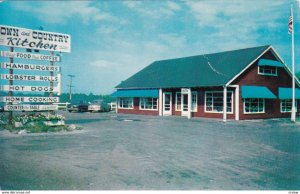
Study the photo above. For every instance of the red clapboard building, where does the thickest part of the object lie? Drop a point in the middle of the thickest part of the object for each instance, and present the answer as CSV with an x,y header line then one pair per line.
x,y
251,83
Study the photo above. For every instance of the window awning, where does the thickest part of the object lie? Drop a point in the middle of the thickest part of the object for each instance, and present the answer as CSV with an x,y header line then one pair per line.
x,y
257,92
136,93
268,62
286,93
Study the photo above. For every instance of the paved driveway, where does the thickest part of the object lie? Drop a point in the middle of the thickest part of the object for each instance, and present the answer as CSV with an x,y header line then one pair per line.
x,y
145,152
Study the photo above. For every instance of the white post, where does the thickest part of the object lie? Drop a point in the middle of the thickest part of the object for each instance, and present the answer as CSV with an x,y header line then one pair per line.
x,y
160,102
117,105
237,103
293,115
225,104
189,103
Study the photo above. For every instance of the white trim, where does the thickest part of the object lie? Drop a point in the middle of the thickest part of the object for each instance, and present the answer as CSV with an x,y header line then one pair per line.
x,y
267,74
285,65
140,107
287,111
225,103
189,103
176,109
160,101
196,109
167,113
125,108
264,107
221,112
241,72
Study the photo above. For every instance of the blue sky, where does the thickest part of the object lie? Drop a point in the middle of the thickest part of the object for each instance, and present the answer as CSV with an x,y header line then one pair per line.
x,y
112,40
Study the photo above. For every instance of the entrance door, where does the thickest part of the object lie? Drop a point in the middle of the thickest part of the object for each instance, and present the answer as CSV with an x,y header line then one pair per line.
x,y
167,104
185,106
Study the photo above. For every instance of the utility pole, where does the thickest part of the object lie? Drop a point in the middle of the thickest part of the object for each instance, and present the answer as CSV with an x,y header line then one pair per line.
x,y
70,87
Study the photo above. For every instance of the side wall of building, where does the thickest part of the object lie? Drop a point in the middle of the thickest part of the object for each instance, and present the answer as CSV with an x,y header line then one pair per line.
x,y
136,109
251,77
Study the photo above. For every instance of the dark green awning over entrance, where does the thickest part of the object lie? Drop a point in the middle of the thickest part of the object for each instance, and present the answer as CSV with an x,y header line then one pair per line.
x,y
136,93
268,62
286,93
257,92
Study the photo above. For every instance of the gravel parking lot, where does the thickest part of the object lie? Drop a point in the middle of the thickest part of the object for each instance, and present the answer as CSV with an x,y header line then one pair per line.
x,y
144,152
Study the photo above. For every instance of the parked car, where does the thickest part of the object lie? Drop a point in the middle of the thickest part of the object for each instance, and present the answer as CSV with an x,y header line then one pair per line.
x,y
80,106
99,106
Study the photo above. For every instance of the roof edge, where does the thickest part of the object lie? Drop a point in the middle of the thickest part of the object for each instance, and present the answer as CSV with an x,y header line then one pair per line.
x,y
248,66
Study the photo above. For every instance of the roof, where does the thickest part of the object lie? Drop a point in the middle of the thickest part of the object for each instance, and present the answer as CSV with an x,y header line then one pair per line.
x,y
257,92
136,93
197,71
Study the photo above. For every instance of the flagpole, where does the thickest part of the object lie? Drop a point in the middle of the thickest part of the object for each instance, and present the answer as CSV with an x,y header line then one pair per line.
x,y
293,115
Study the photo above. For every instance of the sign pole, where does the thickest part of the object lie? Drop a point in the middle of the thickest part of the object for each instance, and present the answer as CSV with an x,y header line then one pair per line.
x,y
293,115
10,83
51,73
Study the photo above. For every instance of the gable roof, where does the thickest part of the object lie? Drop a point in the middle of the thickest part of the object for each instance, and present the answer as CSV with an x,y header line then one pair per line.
x,y
215,69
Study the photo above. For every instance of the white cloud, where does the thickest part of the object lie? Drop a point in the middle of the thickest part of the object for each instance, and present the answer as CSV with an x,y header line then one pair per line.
x,y
58,12
236,24
173,40
106,29
173,6
155,9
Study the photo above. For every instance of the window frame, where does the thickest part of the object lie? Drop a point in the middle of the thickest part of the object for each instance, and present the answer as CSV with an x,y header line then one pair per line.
x,y
268,74
122,98
196,106
264,106
154,109
221,112
281,101
176,101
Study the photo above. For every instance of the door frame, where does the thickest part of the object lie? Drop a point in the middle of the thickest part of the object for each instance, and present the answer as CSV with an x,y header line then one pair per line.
x,y
167,113
184,113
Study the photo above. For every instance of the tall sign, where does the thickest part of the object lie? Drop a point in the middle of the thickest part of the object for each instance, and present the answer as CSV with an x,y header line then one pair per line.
x,y
34,39
15,37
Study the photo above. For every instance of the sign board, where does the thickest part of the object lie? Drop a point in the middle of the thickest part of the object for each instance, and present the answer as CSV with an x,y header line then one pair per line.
x,y
34,39
28,88
185,90
31,67
30,56
30,107
18,99
29,77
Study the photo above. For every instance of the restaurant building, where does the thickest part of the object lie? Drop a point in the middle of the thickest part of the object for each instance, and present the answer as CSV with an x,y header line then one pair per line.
x,y
251,83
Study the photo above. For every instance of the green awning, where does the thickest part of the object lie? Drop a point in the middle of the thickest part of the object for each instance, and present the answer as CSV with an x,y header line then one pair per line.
x,y
153,93
286,93
268,62
257,92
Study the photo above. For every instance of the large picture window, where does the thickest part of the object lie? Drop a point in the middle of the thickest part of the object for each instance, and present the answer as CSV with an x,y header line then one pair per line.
x,y
267,70
125,103
214,102
148,103
286,105
254,105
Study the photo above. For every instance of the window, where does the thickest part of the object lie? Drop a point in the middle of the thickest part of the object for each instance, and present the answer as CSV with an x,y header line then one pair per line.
x,y
254,105
286,105
178,101
148,103
194,101
214,102
126,103
267,70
